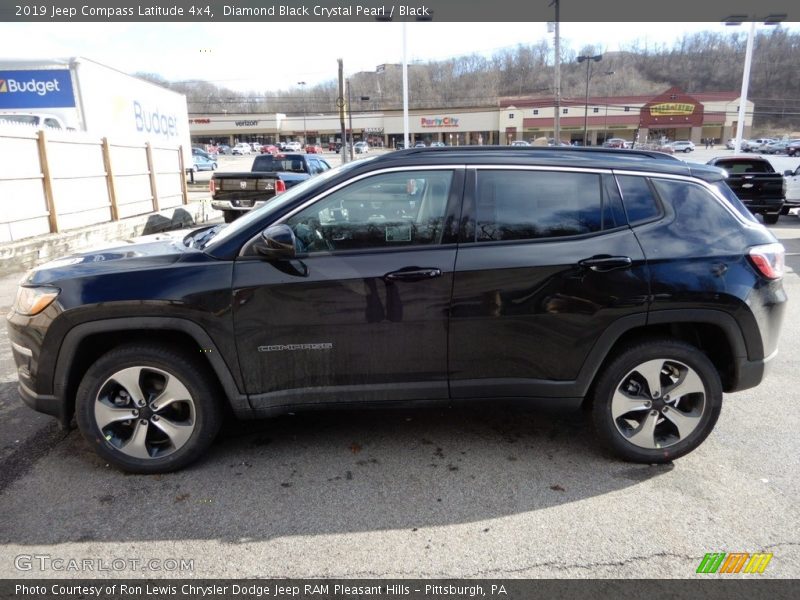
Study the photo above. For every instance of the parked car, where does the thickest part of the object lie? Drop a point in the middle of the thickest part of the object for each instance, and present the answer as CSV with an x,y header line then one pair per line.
x,y
778,147
313,149
520,143
682,146
759,144
644,292
792,187
224,149
438,144
256,147
419,145
756,183
269,149
292,147
202,163
242,148
361,147
614,143
793,148
200,152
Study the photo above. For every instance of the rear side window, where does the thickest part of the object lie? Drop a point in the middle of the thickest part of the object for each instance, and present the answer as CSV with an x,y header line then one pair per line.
x,y
524,205
639,200
735,167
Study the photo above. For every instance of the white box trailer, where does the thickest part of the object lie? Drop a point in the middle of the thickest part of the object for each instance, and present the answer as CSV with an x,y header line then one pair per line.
x,y
100,100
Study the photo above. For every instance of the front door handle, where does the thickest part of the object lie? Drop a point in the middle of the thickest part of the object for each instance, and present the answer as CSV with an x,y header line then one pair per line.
x,y
601,264
413,274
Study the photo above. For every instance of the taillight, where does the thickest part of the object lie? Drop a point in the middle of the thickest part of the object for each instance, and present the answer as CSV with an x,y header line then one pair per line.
x,y
768,260
212,187
280,186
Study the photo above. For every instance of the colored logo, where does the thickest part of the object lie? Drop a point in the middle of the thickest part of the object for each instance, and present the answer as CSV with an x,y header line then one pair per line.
x,y
439,122
671,108
32,89
734,562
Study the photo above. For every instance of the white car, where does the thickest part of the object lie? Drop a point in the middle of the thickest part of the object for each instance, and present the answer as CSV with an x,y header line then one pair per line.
x,y
682,146
293,147
520,143
242,148
361,147
256,147
438,144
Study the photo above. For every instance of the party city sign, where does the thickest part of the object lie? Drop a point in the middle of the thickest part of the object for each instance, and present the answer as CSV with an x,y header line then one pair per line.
x,y
439,122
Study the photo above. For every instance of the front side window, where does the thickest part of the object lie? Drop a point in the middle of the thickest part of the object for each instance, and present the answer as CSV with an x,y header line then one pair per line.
x,y
390,210
522,205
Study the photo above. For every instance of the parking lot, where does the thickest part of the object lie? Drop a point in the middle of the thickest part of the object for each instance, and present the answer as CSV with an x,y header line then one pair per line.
x,y
454,492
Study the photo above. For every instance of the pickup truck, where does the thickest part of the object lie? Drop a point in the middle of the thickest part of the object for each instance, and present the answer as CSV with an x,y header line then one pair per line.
x,y
271,174
756,183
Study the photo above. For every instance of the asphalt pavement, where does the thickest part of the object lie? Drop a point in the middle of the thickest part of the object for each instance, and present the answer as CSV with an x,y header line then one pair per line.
x,y
480,492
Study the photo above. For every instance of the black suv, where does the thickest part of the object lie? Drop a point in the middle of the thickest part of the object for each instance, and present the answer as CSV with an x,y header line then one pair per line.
x,y
625,279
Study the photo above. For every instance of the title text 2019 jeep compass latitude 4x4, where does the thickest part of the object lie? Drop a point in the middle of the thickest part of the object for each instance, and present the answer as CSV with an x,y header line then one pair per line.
x,y
622,278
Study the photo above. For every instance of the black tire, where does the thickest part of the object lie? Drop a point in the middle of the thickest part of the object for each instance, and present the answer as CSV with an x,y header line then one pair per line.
x,y
623,370
785,210
687,150
157,365
771,218
230,215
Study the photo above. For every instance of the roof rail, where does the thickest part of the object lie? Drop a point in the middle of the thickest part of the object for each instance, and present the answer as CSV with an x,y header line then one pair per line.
x,y
542,149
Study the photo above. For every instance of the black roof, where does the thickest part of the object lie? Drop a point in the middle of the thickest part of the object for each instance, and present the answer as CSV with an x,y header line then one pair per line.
x,y
601,158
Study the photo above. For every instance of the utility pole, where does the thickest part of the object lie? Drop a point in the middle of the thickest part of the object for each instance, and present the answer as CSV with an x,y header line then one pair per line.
x,y
350,117
340,104
557,83
302,85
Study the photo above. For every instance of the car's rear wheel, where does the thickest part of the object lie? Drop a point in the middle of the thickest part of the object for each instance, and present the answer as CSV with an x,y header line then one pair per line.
x,y
230,215
771,218
147,409
657,401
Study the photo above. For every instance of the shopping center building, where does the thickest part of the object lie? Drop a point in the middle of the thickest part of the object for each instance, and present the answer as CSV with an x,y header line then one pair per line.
x,y
673,115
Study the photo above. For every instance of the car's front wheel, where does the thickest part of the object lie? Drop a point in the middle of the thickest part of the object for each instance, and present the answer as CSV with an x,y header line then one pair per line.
x,y
771,218
657,401
147,409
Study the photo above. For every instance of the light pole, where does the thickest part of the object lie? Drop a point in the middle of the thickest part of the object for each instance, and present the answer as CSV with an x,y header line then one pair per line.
x,y
735,20
302,85
588,60
609,89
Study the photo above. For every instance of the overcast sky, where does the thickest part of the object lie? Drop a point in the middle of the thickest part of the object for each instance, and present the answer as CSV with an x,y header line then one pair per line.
x,y
271,56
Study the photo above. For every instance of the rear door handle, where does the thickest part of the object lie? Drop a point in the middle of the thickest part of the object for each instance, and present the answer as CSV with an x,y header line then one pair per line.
x,y
413,274
606,263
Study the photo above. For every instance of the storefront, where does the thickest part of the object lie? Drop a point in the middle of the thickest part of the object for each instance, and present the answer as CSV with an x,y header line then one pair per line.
x,y
672,115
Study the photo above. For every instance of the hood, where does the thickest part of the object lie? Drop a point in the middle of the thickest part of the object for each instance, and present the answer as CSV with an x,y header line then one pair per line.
x,y
123,255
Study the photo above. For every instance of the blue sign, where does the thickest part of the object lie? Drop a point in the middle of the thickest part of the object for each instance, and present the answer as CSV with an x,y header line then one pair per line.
x,y
43,88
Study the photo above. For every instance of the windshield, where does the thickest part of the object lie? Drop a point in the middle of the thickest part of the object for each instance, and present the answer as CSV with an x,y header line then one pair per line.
x,y
278,203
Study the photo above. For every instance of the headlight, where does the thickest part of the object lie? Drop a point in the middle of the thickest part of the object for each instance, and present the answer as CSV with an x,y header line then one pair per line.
x,y
33,300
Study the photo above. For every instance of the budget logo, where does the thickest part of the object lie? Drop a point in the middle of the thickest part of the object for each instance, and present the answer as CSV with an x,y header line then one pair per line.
x,y
734,562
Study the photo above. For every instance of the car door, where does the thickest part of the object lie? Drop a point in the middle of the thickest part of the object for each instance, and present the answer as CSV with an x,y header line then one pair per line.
x,y
362,313
545,266
793,186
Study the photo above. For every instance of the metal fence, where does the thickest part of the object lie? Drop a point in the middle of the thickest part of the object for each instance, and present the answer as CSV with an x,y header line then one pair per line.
x,y
52,180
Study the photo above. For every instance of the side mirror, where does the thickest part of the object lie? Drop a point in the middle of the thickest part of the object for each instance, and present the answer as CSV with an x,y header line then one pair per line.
x,y
788,173
277,243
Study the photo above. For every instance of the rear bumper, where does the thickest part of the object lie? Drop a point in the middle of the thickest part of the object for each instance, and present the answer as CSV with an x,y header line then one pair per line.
x,y
764,205
750,373
242,205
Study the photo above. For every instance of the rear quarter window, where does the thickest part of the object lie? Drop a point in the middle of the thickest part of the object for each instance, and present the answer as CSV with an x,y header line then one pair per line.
x,y
638,198
698,213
